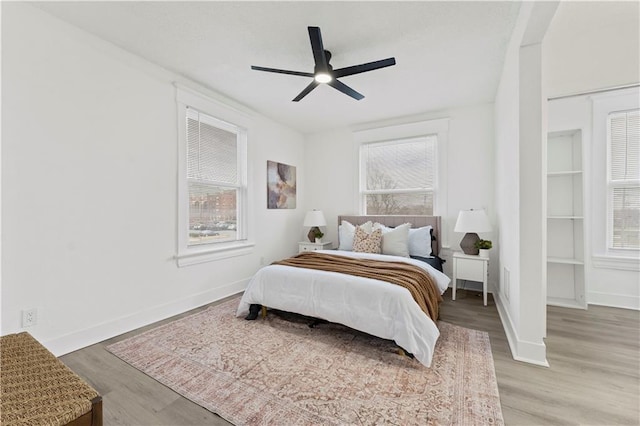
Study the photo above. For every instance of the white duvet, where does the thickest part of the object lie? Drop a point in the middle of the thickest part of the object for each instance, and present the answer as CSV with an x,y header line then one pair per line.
x,y
375,307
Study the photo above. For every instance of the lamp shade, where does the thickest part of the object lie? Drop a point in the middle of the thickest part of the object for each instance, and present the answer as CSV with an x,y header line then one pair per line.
x,y
315,218
472,221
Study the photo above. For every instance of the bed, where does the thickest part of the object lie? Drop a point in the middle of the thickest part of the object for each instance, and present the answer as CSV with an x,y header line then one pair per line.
x,y
369,305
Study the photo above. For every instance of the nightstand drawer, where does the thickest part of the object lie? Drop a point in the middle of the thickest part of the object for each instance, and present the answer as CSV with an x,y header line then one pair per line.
x,y
469,269
304,246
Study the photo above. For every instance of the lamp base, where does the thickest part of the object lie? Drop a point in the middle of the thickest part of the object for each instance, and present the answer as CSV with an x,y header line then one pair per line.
x,y
468,243
312,234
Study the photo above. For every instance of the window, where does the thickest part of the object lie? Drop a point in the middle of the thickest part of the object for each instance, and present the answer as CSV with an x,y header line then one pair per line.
x,y
623,179
403,170
399,177
215,184
212,180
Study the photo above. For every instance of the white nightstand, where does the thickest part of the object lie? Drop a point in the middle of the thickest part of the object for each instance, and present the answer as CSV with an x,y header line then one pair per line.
x,y
308,246
472,268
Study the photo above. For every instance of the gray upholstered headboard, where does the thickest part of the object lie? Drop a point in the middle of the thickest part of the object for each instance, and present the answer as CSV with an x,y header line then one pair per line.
x,y
393,221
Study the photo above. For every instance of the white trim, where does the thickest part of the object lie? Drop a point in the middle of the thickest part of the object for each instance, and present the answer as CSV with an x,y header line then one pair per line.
x,y
221,251
598,92
616,262
438,127
529,352
92,335
214,107
623,301
613,184
602,105
230,119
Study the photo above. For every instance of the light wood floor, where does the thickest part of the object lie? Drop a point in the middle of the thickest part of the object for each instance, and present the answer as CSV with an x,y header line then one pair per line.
x,y
593,379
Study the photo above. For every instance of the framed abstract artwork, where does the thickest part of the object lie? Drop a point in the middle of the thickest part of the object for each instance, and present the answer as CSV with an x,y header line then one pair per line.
x,y
281,186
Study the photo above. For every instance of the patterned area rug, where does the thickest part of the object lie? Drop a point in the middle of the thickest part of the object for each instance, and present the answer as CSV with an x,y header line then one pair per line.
x,y
280,371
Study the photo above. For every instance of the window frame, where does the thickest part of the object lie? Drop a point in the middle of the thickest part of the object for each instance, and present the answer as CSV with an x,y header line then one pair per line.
x,y
230,119
614,184
402,132
602,255
363,191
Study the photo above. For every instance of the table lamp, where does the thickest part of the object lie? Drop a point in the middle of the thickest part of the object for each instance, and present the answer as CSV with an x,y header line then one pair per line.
x,y
471,222
315,219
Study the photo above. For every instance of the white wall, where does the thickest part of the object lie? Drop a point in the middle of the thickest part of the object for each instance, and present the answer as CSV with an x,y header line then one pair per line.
x,y
507,190
567,62
611,279
592,45
520,129
332,171
89,163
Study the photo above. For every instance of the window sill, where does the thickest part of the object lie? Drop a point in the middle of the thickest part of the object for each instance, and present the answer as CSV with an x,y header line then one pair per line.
x,y
616,262
209,254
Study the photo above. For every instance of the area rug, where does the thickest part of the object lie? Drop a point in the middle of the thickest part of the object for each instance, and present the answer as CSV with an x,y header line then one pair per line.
x,y
279,371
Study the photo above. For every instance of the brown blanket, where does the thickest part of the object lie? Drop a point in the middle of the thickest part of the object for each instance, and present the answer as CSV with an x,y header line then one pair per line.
x,y
422,287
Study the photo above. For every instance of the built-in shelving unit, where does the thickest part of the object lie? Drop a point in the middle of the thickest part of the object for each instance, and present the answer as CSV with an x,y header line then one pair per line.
x,y
565,220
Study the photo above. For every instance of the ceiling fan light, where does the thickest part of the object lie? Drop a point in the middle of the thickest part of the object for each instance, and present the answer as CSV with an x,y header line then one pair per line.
x,y
323,77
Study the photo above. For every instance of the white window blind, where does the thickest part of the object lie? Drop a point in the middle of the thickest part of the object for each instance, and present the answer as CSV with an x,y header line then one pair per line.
x,y
212,152
399,177
214,180
624,179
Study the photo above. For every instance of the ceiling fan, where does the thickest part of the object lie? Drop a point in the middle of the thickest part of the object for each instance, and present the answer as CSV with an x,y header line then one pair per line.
x,y
323,71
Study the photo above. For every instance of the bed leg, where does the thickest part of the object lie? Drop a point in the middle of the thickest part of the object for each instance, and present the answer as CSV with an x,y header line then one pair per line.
x,y
254,311
402,352
264,312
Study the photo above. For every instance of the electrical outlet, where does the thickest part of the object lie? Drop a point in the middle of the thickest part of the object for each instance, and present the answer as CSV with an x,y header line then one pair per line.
x,y
29,317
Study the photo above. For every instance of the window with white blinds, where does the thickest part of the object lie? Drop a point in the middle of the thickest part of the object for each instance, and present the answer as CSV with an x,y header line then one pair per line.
x,y
399,177
623,131
214,179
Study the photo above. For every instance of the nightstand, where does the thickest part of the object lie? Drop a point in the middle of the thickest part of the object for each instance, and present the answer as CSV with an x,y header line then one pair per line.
x,y
472,268
308,246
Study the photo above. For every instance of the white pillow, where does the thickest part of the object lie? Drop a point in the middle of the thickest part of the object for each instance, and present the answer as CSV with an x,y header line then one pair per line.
x,y
420,241
395,241
346,232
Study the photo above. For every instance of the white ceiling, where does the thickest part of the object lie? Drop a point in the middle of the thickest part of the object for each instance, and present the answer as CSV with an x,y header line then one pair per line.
x,y
448,54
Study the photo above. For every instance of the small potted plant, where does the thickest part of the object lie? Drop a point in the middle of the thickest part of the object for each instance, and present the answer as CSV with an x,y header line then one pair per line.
x,y
318,235
483,247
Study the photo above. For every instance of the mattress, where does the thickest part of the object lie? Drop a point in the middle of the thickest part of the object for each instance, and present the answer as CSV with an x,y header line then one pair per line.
x,y
375,307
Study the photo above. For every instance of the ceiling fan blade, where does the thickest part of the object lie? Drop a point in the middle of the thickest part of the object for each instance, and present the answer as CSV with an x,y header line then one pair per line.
x,y
345,89
302,74
318,49
369,66
306,91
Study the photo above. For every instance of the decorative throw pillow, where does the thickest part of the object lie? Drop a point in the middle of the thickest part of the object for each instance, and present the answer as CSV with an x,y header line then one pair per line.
x,y
367,243
395,241
420,241
346,232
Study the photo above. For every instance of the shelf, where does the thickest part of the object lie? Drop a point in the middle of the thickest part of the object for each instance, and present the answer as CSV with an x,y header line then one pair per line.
x,y
564,261
564,173
565,217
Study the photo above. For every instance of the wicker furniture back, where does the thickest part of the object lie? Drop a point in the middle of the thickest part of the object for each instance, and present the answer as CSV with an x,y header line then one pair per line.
x,y
36,388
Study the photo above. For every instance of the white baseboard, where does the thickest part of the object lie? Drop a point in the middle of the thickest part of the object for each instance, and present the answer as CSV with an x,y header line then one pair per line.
x,y
92,335
521,350
613,300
